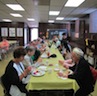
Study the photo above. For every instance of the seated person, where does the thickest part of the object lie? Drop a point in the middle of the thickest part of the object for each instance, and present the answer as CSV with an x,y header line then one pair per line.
x,y
42,48
58,43
82,73
4,44
36,55
4,47
27,59
15,72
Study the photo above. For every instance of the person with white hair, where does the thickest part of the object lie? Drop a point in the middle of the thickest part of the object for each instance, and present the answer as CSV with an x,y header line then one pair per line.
x,y
58,43
82,73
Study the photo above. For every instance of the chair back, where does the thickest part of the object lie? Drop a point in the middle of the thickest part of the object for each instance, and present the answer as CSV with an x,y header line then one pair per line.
x,y
2,84
94,73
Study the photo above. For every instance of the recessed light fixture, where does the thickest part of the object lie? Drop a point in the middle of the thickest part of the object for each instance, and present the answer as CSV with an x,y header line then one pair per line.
x,y
15,7
54,13
16,15
59,18
7,20
73,3
30,19
71,18
51,21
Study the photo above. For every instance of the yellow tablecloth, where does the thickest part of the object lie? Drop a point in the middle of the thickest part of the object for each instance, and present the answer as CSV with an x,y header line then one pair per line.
x,y
50,81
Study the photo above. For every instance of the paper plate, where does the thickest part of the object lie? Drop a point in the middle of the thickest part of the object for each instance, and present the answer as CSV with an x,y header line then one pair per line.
x,y
38,73
43,68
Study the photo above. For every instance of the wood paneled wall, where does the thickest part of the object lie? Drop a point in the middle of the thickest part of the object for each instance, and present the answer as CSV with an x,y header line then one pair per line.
x,y
14,25
44,26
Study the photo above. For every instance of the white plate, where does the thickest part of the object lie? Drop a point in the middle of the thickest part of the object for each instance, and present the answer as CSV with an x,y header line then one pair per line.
x,y
70,72
62,77
39,73
43,68
56,69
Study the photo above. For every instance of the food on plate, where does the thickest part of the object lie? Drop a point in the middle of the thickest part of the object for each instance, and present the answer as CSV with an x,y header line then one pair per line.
x,y
50,64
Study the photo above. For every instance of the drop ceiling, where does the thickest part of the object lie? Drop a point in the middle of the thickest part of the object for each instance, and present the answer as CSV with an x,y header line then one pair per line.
x,y
39,10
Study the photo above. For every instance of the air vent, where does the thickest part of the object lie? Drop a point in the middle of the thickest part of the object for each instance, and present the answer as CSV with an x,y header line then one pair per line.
x,y
44,2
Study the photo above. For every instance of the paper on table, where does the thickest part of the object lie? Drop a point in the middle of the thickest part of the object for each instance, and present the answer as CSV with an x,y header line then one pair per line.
x,y
62,77
44,55
38,73
43,68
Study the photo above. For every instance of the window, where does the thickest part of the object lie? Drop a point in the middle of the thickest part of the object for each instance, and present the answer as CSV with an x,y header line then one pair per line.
x,y
34,34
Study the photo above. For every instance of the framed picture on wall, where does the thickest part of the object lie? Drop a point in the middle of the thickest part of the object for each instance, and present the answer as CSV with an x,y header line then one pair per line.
x,y
12,32
4,32
19,32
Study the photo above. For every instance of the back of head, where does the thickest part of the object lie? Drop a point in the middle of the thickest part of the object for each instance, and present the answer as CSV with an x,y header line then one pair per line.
x,y
79,53
18,52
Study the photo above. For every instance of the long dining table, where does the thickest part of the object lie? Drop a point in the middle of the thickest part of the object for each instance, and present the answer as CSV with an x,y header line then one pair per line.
x,y
51,80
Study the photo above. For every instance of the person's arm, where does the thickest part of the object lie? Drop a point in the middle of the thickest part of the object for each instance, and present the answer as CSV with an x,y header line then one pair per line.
x,y
39,60
25,73
79,72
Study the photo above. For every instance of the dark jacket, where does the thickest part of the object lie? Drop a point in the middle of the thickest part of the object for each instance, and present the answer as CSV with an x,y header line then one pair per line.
x,y
83,76
11,77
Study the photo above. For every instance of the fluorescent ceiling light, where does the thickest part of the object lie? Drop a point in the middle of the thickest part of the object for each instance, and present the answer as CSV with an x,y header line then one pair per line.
x,y
90,10
15,7
59,18
7,20
16,15
51,21
70,18
30,19
74,3
54,12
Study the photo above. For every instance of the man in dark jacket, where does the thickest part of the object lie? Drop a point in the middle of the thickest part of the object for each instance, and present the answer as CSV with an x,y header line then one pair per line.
x,y
82,73
64,42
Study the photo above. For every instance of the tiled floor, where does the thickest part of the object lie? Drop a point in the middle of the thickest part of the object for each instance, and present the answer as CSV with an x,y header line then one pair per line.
x,y
3,64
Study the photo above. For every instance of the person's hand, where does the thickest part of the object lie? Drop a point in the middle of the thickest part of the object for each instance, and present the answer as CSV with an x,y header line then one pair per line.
x,y
60,74
39,60
66,66
27,70
61,62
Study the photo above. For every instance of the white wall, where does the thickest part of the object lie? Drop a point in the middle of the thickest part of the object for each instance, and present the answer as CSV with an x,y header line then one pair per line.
x,y
25,36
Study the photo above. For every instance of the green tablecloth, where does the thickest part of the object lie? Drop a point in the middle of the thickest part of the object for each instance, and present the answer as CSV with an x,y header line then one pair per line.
x,y
50,81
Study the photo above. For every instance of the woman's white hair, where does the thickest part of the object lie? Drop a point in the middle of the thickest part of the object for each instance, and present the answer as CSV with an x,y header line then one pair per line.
x,y
78,52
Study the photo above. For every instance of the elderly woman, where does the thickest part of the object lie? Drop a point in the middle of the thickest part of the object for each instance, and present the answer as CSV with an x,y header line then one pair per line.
x,y
82,73
27,58
15,72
